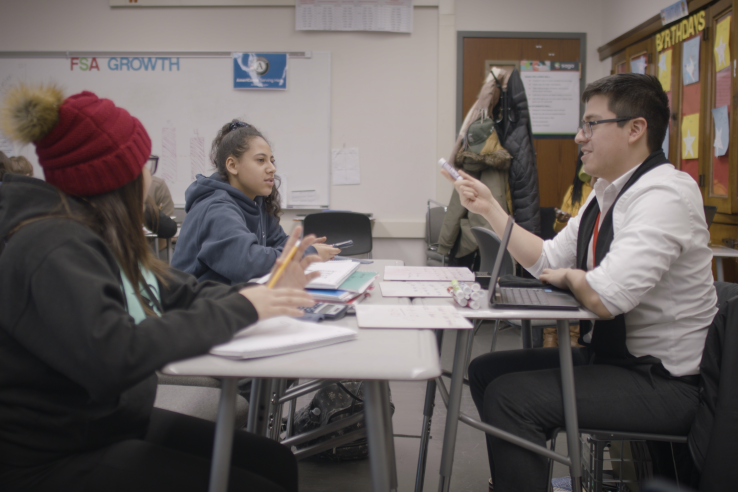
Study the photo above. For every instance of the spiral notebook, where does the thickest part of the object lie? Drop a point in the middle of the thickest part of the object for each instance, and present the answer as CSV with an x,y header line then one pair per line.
x,y
281,335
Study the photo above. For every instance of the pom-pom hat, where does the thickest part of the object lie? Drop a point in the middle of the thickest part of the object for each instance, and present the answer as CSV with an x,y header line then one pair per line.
x,y
85,145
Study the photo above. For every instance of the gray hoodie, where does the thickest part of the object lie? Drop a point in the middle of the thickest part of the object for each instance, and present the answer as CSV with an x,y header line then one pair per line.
x,y
226,236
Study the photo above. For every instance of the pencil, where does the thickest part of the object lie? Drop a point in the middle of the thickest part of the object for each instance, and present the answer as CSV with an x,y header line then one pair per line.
x,y
280,270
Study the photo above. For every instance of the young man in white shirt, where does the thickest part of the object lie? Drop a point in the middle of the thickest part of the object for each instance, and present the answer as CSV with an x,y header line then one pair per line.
x,y
638,254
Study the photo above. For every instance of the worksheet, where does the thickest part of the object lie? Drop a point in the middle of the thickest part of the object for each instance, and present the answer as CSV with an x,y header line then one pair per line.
x,y
433,274
415,289
435,317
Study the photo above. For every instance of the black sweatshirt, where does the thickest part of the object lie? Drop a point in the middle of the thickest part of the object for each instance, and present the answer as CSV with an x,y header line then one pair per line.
x,y
76,372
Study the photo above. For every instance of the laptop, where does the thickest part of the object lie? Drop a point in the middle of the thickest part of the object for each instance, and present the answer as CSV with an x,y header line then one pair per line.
x,y
525,297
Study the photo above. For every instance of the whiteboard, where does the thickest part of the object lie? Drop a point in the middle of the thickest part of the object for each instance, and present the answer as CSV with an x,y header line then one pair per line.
x,y
182,100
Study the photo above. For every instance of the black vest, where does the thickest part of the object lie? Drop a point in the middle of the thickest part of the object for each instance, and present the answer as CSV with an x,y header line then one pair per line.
x,y
608,338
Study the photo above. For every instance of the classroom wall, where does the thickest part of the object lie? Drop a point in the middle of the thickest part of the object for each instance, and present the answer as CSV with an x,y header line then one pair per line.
x,y
393,95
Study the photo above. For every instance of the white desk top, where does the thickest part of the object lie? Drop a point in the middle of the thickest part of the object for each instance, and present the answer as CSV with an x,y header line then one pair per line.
x,y
723,252
374,354
491,313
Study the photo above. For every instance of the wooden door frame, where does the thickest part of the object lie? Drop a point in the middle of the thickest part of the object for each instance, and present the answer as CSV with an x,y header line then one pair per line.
x,y
461,35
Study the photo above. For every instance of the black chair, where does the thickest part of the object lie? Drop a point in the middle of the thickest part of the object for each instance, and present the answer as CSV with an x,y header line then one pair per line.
x,y
548,217
342,226
725,291
434,216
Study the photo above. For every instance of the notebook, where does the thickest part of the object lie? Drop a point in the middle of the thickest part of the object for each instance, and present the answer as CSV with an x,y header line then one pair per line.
x,y
525,297
281,335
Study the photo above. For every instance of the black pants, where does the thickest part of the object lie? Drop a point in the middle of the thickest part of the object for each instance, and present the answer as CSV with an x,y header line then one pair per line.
x,y
520,391
175,455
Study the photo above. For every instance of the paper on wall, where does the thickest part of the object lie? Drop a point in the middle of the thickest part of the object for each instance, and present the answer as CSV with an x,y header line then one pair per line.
x,y
345,166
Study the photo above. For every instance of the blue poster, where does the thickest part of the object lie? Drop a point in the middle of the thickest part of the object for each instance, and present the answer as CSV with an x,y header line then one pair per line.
x,y
720,117
691,61
260,71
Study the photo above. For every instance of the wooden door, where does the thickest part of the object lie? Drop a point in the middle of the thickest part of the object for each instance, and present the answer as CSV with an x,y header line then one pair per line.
x,y
555,157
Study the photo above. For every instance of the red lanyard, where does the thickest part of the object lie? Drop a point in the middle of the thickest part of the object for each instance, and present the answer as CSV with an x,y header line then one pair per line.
x,y
594,238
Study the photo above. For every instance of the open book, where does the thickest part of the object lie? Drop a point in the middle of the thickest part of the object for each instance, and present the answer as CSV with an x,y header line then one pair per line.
x,y
281,335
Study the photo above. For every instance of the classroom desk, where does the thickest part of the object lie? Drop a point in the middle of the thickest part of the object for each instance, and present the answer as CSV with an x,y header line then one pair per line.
x,y
720,252
376,356
452,397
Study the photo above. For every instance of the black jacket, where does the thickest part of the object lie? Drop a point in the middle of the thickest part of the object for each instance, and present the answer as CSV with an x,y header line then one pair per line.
x,y
714,433
516,136
76,372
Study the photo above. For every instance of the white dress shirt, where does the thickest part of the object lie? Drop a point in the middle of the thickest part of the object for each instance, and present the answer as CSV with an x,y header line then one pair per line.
x,y
659,267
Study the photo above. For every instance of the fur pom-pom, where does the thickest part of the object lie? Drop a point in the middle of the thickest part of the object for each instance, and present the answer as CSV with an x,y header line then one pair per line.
x,y
29,112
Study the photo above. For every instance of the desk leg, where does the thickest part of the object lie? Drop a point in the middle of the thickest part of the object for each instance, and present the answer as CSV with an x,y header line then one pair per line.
x,y
526,333
719,268
570,404
220,467
430,399
454,408
381,449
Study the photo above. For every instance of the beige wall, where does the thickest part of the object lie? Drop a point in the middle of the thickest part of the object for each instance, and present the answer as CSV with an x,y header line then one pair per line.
x,y
393,95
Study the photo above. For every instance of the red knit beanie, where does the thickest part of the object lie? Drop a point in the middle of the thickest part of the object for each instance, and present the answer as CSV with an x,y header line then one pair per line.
x,y
95,147
85,145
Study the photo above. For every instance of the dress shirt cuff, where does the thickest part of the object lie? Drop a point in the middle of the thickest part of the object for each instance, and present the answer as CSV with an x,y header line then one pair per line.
x,y
537,269
616,299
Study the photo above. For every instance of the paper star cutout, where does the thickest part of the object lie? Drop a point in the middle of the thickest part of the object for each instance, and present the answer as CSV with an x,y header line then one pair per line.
x,y
690,68
662,63
718,140
689,140
720,50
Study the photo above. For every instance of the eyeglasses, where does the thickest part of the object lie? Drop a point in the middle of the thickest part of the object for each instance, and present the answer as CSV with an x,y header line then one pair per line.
x,y
152,164
587,125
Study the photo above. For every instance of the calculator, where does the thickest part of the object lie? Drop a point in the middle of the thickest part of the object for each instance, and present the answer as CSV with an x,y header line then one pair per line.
x,y
324,310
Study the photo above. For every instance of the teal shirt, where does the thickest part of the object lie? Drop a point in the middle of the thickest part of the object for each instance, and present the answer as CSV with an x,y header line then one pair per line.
x,y
135,308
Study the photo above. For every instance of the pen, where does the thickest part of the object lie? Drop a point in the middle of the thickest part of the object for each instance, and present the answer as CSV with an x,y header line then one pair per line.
x,y
280,270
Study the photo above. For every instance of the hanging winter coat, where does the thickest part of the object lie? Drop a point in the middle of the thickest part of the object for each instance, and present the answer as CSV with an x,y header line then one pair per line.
x,y
516,135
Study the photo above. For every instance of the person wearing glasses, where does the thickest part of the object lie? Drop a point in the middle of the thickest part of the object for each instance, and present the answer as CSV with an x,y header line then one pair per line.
x,y
88,315
637,256
231,232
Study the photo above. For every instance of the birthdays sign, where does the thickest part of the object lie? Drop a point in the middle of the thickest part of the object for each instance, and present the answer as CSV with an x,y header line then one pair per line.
x,y
260,71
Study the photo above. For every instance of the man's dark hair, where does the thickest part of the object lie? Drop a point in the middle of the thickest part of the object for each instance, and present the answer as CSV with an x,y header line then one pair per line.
x,y
632,94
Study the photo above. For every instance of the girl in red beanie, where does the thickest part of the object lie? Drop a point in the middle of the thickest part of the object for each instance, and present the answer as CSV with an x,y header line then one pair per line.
x,y
231,232
79,345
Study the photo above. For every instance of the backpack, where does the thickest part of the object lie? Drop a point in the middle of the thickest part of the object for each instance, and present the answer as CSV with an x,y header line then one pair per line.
x,y
335,402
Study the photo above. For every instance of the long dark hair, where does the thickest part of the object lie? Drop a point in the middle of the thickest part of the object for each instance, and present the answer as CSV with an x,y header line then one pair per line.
x,y
233,141
576,186
117,217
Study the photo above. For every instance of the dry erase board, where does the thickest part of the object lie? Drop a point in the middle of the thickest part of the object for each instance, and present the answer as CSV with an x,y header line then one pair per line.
x,y
184,98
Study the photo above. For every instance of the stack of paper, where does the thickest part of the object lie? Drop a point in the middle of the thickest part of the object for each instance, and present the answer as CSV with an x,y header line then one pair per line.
x,y
332,273
281,335
414,289
349,291
436,317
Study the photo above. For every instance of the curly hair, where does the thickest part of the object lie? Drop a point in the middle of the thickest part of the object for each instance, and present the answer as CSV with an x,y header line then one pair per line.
x,y
233,141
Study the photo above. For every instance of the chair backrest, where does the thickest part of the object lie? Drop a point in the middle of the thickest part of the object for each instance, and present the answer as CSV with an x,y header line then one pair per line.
x,y
548,217
433,221
489,245
342,226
